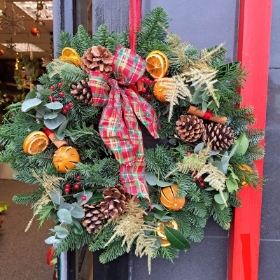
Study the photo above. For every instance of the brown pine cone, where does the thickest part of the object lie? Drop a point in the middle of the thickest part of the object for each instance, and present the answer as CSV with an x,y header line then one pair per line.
x,y
97,58
93,217
189,128
219,136
82,91
114,201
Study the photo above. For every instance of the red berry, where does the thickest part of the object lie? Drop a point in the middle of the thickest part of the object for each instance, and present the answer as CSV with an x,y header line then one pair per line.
x,y
52,88
60,84
67,107
54,99
76,186
143,90
67,190
202,184
51,98
84,197
148,96
61,94
149,82
71,104
64,111
189,153
78,177
67,186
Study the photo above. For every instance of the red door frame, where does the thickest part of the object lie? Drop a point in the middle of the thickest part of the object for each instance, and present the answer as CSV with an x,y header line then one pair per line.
x,y
253,52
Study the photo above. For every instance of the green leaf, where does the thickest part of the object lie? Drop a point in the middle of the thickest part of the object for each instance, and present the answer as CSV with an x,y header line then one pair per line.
x,y
197,99
61,232
231,185
209,189
158,206
60,133
31,94
198,147
45,92
55,123
54,105
40,111
75,209
218,198
56,196
243,144
204,106
176,238
50,116
64,216
96,198
30,104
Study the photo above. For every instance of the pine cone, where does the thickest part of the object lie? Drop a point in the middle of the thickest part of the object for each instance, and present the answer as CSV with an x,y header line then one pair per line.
x,y
82,91
93,217
219,136
189,128
97,58
114,202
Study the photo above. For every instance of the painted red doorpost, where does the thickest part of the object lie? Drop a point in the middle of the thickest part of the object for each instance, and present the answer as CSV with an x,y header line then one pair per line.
x,y
253,52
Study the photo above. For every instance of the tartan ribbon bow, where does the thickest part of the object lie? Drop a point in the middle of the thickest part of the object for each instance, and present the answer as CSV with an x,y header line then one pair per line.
x,y
118,125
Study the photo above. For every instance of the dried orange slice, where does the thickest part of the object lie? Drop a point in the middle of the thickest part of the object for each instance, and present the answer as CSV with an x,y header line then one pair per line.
x,y
161,86
164,243
35,142
160,228
157,64
69,54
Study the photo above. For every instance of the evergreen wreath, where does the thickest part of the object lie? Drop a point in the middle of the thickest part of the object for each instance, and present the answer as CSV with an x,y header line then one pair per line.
x,y
95,179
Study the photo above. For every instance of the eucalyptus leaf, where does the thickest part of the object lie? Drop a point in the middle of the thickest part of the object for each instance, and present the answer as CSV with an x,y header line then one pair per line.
x,y
214,153
54,105
40,111
64,216
163,184
204,106
223,167
30,104
77,211
209,189
50,240
166,219
158,206
56,196
233,150
60,133
151,178
61,232
197,97
80,195
55,123
50,116
218,198
176,238
198,147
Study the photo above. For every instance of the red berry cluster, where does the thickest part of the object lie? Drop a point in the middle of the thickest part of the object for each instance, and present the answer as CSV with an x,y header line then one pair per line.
x,y
76,186
198,180
143,90
67,107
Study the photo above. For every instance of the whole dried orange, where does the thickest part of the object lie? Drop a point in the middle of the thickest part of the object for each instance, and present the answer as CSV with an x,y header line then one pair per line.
x,y
161,86
35,142
157,64
65,158
168,198
160,228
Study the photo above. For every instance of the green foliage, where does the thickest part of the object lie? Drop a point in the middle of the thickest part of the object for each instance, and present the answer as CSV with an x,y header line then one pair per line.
x,y
81,41
115,250
72,73
168,253
64,40
152,34
27,198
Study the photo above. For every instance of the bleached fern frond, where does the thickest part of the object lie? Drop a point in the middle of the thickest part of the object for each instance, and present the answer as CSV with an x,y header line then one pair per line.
x,y
206,56
204,78
131,227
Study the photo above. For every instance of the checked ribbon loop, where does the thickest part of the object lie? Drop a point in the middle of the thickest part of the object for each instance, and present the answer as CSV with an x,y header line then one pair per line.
x,y
123,107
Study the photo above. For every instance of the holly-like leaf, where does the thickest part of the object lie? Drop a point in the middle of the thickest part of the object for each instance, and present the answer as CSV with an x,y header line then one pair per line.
x,y
31,94
30,104
243,144
64,216
176,238
45,92
96,198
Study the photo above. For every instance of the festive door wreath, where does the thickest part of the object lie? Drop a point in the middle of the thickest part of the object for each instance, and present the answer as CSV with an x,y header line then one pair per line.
x,y
95,177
